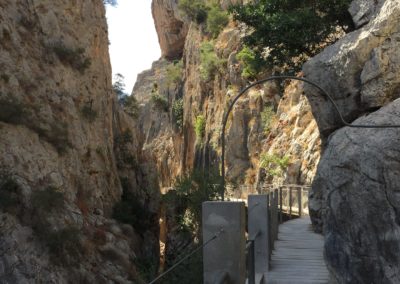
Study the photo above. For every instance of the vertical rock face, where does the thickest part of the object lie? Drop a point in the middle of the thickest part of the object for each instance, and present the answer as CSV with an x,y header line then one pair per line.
x,y
357,71
171,27
355,199
59,127
356,196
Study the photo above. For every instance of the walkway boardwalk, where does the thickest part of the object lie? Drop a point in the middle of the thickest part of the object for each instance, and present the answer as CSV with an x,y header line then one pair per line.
x,y
298,255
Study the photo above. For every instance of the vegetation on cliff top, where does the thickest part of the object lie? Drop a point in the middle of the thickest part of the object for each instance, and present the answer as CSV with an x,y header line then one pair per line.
x,y
209,12
286,33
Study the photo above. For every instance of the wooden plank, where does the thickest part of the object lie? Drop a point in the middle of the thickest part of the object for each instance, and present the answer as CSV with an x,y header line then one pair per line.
x,y
298,255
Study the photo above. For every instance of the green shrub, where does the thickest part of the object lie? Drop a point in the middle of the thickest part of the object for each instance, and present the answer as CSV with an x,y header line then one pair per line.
x,y
200,126
217,19
196,10
160,102
177,111
292,31
48,199
209,61
12,111
251,62
89,113
174,72
73,56
9,192
274,165
266,117
131,106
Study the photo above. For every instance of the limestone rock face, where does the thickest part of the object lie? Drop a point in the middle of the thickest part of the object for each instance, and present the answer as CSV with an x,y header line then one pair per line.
x,y
60,128
363,11
357,71
171,27
356,196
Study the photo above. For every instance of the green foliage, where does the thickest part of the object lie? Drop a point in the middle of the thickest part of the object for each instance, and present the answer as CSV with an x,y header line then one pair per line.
x,y
200,126
119,87
217,19
196,10
12,111
131,106
209,61
48,200
73,56
291,31
266,117
274,164
88,112
129,103
174,72
251,61
190,191
177,111
160,102
9,192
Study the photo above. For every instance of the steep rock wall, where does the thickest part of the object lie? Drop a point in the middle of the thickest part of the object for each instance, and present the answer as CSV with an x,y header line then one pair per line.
x,y
355,199
58,129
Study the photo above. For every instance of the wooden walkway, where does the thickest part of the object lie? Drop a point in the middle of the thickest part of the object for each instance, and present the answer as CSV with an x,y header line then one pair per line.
x,y
298,255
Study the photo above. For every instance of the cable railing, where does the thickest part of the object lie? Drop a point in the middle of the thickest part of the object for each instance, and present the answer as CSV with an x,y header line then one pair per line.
x,y
173,267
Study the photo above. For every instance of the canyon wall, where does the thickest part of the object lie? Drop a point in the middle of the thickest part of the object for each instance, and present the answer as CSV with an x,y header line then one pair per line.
x,y
355,198
61,132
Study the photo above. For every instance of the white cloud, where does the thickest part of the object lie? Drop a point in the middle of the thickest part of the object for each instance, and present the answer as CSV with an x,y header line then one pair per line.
x,y
134,44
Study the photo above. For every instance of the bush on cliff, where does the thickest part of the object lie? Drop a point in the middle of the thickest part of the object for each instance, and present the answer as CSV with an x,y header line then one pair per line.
x,y
286,33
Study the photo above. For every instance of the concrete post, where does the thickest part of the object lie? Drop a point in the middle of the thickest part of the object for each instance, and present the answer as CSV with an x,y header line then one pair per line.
x,y
225,254
258,222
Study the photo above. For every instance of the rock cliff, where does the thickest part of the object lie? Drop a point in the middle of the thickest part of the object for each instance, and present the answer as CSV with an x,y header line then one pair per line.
x,y
60,135
355,197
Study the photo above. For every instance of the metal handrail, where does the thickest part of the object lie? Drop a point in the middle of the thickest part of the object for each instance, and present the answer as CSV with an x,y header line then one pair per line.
x,y
283,77
186,257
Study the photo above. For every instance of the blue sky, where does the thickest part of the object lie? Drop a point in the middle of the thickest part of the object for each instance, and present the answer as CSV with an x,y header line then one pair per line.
x,y
134,44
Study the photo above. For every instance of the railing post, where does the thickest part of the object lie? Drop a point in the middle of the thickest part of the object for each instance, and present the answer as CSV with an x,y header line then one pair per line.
x,y
300,197
276,213
226,254
281,205
259,229
290,202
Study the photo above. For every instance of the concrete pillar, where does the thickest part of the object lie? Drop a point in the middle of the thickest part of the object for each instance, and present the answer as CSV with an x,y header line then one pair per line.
x,y
258,222
225,254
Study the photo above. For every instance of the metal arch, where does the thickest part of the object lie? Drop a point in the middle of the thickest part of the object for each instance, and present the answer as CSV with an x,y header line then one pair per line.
x,y
225,119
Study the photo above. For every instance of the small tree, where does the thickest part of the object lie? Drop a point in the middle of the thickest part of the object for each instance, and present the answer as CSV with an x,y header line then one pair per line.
x,y
217,19
196,10
288,32
200,126
119,87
